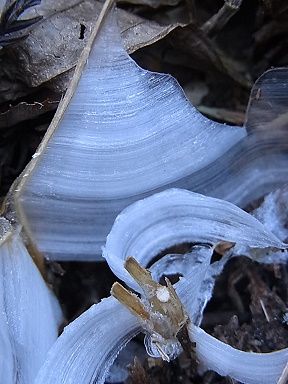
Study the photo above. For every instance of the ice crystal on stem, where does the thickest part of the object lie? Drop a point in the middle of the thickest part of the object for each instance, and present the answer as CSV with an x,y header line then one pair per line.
x,y
160,310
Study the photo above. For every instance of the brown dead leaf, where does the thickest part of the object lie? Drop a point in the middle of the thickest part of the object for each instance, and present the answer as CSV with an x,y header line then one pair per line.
x,y
54,45
26,111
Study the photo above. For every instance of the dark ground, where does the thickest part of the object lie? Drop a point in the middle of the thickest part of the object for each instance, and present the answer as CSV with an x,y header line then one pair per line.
x,y
248,310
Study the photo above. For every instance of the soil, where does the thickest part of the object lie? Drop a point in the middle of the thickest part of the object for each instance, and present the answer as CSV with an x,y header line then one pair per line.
x,y
248,310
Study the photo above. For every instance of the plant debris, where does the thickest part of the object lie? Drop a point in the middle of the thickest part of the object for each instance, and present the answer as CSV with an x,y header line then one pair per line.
x,y
246,295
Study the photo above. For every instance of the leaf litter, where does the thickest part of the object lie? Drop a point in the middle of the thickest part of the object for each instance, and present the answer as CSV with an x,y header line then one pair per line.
x,y
242,319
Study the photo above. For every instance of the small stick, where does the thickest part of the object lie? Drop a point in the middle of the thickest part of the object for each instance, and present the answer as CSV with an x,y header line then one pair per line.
x,y
221,18
264,310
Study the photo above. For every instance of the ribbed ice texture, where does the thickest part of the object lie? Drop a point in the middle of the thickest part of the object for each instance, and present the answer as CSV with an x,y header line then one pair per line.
x,y
88,346
7,362
172,264
246,367
273,213
176,216
258,164
128,133
125,133
28,314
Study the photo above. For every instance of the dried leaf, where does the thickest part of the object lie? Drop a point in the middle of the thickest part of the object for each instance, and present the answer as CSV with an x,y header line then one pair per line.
x,y
223,114
54,45
11,27
27,111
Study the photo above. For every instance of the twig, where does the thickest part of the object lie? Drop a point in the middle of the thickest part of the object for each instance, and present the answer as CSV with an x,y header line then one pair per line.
x,y
264,310
221,18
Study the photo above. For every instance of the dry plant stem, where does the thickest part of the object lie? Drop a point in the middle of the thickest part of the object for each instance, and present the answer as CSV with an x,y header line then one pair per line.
x,y
160,302
187,345
139,274
162,299
8,214
223,247
130,300
7,210
37,257
221,18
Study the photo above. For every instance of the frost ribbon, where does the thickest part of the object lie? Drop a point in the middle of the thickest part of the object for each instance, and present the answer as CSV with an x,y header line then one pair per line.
x,y
123,133
29,313
89,345
176,216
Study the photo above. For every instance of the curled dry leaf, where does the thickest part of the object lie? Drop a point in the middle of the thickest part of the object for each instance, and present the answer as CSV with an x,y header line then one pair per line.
x,y
202,52
12,26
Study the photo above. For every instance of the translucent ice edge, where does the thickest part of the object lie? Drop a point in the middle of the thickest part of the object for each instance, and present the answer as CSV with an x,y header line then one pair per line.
x,y
246,367
90,344
176,216
86,350
29,313
128,133
125,133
